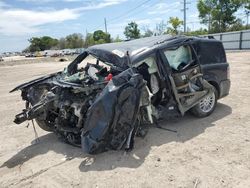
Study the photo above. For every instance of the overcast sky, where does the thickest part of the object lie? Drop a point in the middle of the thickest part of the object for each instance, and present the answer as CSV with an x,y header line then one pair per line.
x,y
23,19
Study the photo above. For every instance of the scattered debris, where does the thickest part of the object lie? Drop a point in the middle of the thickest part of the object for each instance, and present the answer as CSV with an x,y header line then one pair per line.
x,y
63,59
197,181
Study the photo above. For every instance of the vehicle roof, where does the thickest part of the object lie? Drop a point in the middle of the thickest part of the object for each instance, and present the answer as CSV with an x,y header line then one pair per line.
x,y
116,53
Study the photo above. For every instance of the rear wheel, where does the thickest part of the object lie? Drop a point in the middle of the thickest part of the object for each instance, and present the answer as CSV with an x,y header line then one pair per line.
x,y
206,106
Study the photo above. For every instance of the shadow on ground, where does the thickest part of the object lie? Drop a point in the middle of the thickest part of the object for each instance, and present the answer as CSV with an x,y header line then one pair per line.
x,y
187,128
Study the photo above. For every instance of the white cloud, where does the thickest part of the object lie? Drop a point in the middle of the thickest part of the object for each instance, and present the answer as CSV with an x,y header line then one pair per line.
x,y
92,5
46,1
20,22
164,8
88,3
3,4
72,0
16,22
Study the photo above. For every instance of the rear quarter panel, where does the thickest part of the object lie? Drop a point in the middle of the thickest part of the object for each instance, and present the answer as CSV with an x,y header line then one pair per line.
x,y
214,64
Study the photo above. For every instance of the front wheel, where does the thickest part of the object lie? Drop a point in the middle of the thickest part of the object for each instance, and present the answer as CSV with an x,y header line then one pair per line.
x,y
36,95
43,124
206,106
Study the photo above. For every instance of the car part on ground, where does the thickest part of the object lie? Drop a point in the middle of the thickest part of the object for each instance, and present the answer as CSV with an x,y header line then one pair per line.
x,y
63,59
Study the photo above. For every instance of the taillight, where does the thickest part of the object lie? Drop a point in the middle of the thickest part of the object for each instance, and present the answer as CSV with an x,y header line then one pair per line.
x,y
228,72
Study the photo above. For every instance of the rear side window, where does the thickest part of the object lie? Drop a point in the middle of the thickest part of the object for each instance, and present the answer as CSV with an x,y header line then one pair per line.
x,y
211,53
178,56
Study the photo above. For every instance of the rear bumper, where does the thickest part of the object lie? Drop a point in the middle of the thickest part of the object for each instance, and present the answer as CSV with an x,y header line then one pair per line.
x,y
224,88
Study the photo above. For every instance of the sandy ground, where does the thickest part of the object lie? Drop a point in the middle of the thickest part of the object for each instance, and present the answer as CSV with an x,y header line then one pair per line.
x,y
209,152
19,60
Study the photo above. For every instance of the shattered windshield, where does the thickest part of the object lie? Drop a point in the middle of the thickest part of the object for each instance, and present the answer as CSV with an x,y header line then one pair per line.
x,y
89,69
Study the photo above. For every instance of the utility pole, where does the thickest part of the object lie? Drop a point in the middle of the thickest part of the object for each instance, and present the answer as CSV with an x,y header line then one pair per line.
x,y
248,13
185,14
86,39
105,23
209,22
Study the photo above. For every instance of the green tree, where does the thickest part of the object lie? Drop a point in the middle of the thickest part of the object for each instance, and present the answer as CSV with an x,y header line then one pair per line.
x,y
89,40
48,42
147,31
42,43
198,32
101,37
160,28
175,23
205,9
219,14
117,39
237,26
62,43
74,40
246,4
132,31
247,11
34,44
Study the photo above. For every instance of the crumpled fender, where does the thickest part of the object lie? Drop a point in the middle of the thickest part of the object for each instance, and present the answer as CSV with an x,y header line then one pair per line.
x,y
112,119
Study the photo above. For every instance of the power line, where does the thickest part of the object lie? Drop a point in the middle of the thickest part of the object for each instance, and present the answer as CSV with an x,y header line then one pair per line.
x,y
123,14
127,13
139,12
131,10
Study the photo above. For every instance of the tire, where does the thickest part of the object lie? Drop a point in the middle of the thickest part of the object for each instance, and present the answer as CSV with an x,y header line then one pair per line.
x,y
44,125
206,106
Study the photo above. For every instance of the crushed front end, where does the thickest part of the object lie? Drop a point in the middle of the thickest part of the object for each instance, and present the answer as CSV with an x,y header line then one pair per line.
x,y
95,107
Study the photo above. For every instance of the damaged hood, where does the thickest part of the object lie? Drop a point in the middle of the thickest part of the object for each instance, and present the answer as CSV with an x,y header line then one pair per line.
x,y
35,81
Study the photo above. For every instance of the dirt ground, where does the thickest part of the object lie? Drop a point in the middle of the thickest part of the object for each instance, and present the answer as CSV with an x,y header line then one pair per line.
x,y
209,152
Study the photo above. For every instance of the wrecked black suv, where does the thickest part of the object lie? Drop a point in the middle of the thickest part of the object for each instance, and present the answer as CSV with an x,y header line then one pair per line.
x,y
109,92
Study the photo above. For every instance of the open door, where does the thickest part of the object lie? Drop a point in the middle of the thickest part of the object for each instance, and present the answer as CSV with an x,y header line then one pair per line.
x,y
186,77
